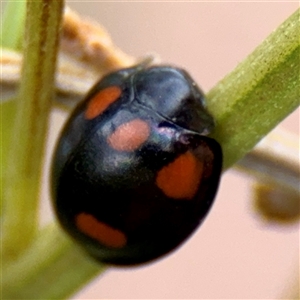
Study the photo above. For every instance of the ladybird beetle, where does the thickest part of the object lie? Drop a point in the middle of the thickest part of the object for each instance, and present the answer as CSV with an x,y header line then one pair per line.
x,y
134,173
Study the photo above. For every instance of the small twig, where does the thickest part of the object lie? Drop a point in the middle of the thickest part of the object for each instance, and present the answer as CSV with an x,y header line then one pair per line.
x,y
275,160
89,43
275,165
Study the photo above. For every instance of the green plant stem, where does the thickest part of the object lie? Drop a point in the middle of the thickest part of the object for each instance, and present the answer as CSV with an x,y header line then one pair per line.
x,y
23,168
247,104
259,93
53,265
7,114
12,25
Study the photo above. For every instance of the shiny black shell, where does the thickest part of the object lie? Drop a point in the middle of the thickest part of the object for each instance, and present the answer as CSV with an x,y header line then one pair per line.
x,y
133,173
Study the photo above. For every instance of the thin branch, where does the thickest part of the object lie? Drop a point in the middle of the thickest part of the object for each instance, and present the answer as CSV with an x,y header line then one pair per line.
x,y
275,161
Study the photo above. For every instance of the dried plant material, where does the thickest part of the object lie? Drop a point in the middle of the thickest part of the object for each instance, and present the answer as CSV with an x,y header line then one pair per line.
x,y
87,53
275,204
72,79
278,145
275,160
10,62
275,164
89,43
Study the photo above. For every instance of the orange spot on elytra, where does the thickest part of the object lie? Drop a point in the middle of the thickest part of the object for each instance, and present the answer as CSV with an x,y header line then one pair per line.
x,y
100,231
180,179
129,136
101,101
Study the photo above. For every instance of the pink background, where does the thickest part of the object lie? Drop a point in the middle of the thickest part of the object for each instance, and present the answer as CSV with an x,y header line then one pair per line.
x,y
235,254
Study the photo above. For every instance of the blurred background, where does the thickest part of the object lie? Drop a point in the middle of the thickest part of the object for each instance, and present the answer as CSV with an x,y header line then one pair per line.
x,y
235,254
